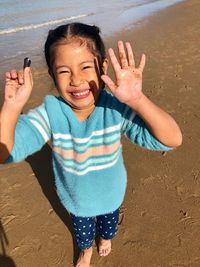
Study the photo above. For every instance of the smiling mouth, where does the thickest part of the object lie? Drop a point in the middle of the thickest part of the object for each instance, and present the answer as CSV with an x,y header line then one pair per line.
x,y
80,95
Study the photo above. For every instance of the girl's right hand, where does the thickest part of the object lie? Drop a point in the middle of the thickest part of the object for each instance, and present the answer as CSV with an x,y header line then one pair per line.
x,y
18,87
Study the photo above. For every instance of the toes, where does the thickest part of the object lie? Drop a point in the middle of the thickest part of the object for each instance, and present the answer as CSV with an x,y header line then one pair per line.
x,y
104,251
107,251
104,247
101,252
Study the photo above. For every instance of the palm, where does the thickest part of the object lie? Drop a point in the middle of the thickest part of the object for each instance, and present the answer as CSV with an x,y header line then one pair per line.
x,y
128,83
17,88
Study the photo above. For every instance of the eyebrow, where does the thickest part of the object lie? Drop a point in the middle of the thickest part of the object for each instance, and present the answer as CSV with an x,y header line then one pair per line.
x,y
65,66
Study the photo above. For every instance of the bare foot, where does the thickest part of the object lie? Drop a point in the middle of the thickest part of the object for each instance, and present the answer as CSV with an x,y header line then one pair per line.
x,y
104,247
85,258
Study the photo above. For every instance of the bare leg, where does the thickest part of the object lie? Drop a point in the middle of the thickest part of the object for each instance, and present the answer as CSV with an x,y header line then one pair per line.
x,y
104,247
85,258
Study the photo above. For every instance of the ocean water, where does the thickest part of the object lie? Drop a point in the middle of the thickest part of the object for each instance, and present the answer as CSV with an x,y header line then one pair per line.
x,y
24,24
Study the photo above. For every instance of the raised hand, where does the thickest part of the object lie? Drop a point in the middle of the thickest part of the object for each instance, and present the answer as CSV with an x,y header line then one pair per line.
x,y
18,87
128,85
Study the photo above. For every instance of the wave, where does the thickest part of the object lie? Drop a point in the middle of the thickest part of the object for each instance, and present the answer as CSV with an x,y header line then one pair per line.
x,y
39,25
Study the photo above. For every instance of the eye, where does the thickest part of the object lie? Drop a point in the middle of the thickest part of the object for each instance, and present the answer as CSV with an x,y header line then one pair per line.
x,y
87,67
63,71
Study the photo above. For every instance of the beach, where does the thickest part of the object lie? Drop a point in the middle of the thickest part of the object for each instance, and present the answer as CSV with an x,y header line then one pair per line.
x,y
160,219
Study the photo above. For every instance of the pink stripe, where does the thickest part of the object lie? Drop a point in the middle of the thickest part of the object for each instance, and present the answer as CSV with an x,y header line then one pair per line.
x,y
41,120
93,151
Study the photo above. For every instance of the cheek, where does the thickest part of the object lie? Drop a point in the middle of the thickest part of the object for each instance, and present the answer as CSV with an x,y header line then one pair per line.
x,y
62,81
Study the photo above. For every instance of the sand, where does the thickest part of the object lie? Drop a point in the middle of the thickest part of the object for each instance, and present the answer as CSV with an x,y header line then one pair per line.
x,y
160,218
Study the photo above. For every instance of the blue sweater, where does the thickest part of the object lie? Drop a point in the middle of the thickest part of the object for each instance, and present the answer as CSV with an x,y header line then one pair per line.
x,y
90,176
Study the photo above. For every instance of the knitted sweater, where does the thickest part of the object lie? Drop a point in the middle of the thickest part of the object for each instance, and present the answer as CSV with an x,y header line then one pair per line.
x,y
90,176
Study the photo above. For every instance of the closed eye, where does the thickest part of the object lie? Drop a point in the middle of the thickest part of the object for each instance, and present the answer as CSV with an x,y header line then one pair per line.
x,y
63,71
87,67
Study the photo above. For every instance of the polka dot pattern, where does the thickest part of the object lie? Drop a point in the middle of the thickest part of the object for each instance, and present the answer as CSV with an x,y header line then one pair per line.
x,y
85,228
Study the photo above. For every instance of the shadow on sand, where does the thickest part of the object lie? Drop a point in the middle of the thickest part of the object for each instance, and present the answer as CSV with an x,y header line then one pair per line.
x,y
41,164
5,261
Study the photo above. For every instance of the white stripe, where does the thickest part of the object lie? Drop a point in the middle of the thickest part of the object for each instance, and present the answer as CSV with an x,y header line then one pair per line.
x,y
42,110
84,140
91,168
40,129
90,161
69,144
41,113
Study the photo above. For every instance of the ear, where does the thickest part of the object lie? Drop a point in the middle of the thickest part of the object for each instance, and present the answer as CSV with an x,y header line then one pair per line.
x,y
105,66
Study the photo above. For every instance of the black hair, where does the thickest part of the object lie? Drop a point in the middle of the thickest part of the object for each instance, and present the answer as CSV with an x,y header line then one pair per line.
x,y
83,32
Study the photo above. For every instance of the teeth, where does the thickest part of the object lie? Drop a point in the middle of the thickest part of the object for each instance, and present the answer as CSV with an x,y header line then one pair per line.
x,y
81,93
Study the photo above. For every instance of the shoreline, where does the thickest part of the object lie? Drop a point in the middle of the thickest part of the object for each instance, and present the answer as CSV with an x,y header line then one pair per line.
x,y
160,214
17,49
40,72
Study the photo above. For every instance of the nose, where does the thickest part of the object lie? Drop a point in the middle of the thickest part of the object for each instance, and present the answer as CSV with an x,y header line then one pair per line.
x,y
76,79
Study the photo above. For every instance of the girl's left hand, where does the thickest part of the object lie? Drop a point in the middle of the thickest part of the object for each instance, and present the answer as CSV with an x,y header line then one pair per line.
x,y
128,85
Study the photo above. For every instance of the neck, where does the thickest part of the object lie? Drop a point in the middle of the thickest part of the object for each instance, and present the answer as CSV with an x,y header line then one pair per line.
x,y
84,114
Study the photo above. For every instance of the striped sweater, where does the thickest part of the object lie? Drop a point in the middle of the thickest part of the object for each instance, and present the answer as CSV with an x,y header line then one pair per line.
x,y
90,176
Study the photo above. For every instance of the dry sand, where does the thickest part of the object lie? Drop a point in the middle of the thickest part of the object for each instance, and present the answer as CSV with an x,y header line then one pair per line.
x,y
160,220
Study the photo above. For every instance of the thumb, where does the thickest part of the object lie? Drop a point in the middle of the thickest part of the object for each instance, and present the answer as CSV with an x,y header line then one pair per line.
x,y
28,79
109,82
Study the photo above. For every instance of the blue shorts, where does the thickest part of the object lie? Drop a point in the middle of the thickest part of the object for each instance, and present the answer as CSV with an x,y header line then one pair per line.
x,y
85,228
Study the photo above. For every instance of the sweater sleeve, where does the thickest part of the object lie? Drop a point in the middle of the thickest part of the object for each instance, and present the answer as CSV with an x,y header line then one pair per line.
x,y
31,133
135,129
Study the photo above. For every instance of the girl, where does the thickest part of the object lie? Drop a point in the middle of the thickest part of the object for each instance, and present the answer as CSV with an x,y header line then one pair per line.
x,y
84,124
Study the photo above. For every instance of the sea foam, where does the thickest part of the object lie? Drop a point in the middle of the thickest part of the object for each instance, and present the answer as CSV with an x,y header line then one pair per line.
x,y
39,25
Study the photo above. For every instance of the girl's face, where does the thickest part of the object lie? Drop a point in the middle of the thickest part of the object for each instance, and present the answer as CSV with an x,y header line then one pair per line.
x,y
77,75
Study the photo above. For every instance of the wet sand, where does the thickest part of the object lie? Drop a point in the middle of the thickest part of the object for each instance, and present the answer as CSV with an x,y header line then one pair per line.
x,y
160,219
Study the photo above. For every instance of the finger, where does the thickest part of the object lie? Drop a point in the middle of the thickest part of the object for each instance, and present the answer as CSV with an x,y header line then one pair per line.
x,y
107,80
13,74
115,64
31,77
142,63
10,86
28,81
21,77
9,80
122,55
7,75
131,61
